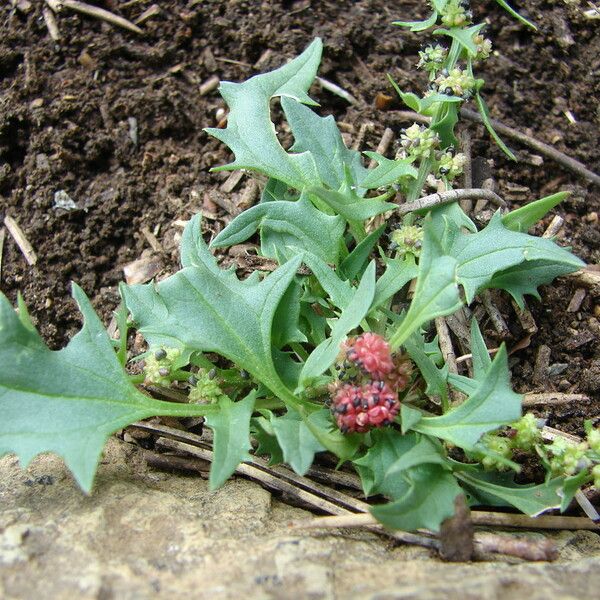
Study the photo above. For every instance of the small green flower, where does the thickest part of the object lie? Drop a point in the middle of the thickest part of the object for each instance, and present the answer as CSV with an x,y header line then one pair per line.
x,y
451,165
528,433
457,82
593,438
500,446
418,141
456,13
568,458
432,58
408,240
484,47
158,365
206,389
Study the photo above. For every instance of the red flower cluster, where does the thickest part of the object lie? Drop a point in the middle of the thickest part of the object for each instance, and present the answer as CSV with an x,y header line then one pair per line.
x,y
358,408
370,378
370,353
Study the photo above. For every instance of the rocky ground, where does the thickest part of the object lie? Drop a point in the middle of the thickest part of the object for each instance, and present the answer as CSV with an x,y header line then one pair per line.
x,y
146,534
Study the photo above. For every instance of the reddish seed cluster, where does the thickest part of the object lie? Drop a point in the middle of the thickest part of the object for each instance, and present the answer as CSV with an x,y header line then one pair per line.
x,y
371,353
358,408
370,378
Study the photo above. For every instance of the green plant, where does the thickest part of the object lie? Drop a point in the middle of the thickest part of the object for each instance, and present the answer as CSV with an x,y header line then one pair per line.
x,y
289,343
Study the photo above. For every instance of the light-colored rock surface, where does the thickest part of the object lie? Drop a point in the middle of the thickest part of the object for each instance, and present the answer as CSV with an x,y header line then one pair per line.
x,y
146,534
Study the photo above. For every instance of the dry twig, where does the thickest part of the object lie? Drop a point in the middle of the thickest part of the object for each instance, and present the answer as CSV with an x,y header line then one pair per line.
x,y
384,144
151,11
566,161
481,518
337,90
495,316
93,11
346,507
21,240
446,346
553,398
449,196
51,24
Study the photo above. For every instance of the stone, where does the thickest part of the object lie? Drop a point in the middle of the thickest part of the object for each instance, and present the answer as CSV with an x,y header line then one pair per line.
x,y
145,534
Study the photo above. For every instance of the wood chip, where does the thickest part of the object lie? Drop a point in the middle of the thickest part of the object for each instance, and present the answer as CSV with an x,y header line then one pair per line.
x,y
542,362
580,339
232,181
554,227
249,195
210,85
588,276
525,318
576,300
22,242
553,398
149,13
152,240
224,202
142,270
23,6
264,58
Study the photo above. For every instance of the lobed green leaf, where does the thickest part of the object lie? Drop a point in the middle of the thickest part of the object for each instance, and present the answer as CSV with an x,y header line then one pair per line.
x,y
69,401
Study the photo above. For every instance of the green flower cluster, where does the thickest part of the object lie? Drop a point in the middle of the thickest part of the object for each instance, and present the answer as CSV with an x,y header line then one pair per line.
x,y
484,47
158,365
419,141
562,458
407,240
431,59
456,82
206,389
567,458
451,165
524,434
456,13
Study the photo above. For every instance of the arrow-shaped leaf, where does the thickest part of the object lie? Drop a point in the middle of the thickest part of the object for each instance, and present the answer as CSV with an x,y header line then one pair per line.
x,y
294,226
207,309
428,502
250,132
492,405
296,440
530,499
321,137
231,429
485,256
68,401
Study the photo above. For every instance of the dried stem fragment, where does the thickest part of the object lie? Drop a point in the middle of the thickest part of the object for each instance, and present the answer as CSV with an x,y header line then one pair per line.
x,y
93,11
21,240
447,197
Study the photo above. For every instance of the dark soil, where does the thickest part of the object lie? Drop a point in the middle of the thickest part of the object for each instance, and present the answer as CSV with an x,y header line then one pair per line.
x,y
115,120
